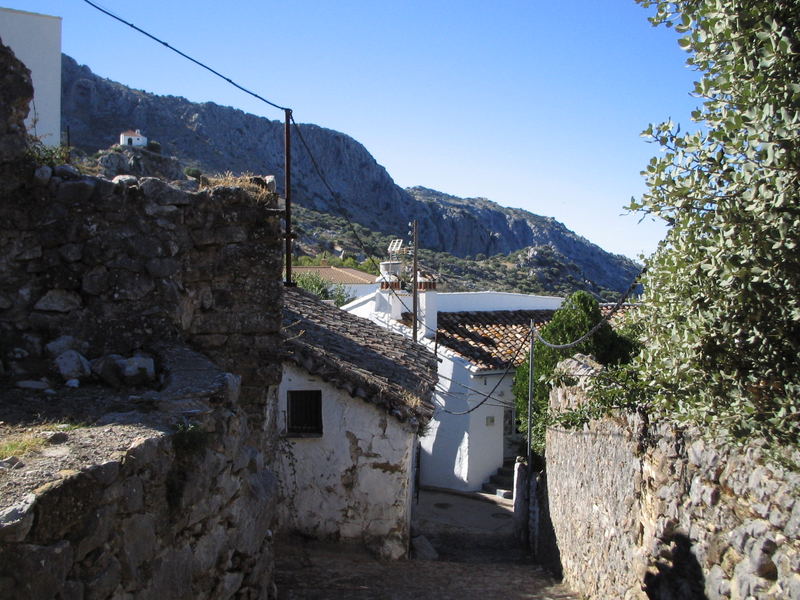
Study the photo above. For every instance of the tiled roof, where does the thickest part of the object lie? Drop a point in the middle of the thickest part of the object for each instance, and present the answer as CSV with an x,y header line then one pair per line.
x,y
344,275
489,339
607,307
359,357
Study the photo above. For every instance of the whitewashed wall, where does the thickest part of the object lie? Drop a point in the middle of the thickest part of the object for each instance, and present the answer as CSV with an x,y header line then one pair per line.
x,y
353,482
461,452
480,301
36,41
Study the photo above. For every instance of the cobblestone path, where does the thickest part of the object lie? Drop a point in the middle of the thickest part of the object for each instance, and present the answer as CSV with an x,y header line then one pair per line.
x,y
474,563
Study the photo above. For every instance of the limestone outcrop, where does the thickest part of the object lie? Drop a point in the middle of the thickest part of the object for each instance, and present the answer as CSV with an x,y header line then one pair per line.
x,y
219,139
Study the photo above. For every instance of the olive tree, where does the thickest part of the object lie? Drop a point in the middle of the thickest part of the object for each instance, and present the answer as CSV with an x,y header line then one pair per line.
x,y
721,319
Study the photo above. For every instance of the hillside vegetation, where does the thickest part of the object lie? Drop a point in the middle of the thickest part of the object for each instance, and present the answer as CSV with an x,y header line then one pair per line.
x,y
529,252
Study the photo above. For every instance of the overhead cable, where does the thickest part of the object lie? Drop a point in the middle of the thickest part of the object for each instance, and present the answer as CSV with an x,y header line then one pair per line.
x,y
186,56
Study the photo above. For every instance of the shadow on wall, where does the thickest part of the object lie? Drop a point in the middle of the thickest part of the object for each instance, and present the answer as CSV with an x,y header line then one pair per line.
x,y
678,574
543,537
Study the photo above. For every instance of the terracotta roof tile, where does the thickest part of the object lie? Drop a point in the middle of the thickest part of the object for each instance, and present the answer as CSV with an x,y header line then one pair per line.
x,y
358,356
344,275
489,339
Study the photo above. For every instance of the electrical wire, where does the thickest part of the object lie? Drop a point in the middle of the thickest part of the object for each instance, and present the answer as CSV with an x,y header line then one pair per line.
x,y
186,56
494,389
605,319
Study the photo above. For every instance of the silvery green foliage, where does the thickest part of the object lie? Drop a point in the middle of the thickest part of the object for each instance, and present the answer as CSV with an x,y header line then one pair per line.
x,y
722,307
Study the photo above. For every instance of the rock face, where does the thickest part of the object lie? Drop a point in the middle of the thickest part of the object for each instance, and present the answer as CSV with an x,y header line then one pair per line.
x,y
220,139
16,91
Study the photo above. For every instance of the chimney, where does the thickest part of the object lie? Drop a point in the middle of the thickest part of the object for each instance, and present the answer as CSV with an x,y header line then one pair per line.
x,y
428,311
392,297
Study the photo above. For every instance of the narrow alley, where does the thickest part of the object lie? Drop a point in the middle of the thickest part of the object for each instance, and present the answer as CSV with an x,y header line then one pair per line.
x,y
477,559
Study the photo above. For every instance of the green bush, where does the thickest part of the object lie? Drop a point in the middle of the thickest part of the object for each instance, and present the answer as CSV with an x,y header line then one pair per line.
x,y
579,313
154,146
193,172
721,319
321,287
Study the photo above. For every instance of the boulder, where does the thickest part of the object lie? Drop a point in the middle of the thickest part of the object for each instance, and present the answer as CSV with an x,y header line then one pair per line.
x,y
65,342
59,301
137,370
73,365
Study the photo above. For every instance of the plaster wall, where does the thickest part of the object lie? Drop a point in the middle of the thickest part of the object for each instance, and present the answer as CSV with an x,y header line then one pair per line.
x,y
356,290
478,301
444,459
461,452
36,41
486,441
354,481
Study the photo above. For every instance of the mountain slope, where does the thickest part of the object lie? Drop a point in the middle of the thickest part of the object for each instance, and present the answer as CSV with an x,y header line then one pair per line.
x,y
217,139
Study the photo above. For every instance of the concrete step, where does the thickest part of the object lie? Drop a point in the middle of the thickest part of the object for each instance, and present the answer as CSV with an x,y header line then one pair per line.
x,y
491,488
506,471
502,480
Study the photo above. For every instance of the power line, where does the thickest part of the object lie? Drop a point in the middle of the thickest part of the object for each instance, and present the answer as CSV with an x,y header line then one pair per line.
x,y
494,389
605,319
184,55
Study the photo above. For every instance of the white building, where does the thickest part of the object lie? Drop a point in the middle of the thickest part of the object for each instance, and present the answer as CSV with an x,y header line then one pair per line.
x,y
356,283
474,335
132,138
351,401
36,41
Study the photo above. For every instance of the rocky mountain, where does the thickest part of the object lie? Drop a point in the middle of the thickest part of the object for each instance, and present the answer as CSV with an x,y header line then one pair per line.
x,y
215,138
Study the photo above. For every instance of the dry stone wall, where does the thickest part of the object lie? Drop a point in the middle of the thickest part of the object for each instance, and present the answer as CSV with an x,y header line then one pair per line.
x,y
652,510
181,510
130,271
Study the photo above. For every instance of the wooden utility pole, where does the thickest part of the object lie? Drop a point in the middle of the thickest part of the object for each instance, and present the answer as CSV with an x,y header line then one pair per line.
x,y
530,393
415,295
287,189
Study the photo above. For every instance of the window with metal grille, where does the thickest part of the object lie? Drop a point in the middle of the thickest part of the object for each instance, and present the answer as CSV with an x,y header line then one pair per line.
x,y
304,412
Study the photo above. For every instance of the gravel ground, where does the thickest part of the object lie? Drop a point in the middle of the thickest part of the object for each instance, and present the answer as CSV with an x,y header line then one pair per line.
x,y
78,428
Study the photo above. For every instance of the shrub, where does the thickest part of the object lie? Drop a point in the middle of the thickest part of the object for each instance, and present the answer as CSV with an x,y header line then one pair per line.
x,y
193,172
721,319
321,287
579,313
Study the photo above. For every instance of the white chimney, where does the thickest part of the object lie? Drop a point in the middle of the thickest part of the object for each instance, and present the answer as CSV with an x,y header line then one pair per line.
x,y
428,311
393,299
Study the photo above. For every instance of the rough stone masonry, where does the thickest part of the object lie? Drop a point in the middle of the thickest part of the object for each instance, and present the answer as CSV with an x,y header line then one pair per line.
x,y
125,268
655,510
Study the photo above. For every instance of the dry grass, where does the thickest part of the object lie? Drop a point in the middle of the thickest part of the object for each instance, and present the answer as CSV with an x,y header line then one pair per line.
x,y
251,183
20,444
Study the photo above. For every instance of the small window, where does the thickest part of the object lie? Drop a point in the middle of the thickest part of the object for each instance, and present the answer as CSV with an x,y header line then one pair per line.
x,y
304,412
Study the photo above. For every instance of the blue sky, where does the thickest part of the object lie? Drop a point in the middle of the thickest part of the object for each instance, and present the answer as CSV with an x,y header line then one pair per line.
x,y
532,104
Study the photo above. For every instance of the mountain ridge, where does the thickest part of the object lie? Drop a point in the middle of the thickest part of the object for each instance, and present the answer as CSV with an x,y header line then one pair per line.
x,y
215,138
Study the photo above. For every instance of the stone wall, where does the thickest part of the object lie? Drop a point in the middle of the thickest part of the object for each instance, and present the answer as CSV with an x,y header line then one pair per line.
x,y
652,510
137,267
181,508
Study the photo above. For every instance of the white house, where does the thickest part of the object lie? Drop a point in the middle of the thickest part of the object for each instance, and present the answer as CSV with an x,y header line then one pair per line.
x,y
132,138
36,41
356,283
351,402
474,336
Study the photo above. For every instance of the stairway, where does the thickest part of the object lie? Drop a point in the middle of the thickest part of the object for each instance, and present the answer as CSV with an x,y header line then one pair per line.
x,y
501,483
